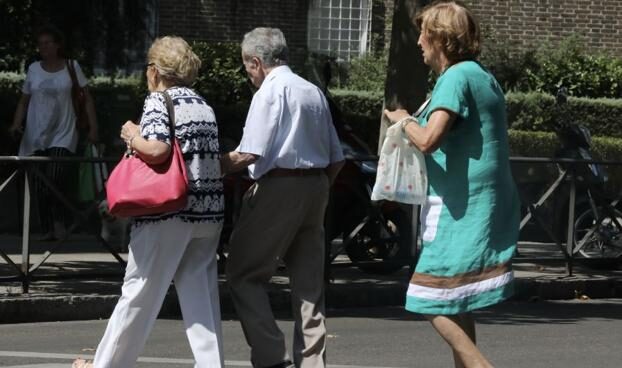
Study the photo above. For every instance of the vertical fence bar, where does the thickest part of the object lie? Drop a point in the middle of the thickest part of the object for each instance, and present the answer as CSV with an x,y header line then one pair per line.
x,y
570,233
26,236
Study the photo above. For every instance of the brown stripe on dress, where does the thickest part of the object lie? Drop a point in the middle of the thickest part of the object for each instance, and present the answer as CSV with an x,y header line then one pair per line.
x,y
450,282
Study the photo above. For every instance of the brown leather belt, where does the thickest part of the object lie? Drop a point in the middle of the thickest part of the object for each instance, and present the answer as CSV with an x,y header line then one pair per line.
x,y
279,173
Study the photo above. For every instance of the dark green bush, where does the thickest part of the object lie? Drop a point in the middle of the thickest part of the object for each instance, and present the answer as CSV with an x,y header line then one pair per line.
x,y
532,144
584,72
544,144
526,111
222,79
537,111
571,65
541,69
116,100
120,99
365,103
506,63
367,73
15,39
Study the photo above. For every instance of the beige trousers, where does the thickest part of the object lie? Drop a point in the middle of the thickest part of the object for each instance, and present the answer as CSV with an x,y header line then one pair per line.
x,y
282,218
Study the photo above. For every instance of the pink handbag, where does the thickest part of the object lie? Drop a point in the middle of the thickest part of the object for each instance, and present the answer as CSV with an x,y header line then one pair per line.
x,y
136,188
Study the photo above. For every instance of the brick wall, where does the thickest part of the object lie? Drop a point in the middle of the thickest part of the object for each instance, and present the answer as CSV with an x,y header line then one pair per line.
x,y
219,20
525,23
530,22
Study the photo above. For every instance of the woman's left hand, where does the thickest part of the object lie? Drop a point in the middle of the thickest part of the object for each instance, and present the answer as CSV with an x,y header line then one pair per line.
x,y
129,130
396,115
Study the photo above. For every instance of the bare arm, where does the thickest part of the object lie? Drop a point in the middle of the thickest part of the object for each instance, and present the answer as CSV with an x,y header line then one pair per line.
x,y
151,151
426,138
236,161
20,114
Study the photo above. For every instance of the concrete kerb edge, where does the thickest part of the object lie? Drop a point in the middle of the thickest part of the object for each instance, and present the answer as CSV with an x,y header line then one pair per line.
x,y
567,288
87,307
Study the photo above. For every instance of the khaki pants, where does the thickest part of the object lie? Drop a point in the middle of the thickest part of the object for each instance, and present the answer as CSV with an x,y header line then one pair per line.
x,y
281,218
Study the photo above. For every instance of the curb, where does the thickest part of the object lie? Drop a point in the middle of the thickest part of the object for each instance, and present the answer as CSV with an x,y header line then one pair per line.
x,y
530,289
40,308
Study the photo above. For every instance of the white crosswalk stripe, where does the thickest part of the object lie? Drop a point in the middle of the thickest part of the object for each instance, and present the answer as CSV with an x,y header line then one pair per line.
x,y
53,365
71,357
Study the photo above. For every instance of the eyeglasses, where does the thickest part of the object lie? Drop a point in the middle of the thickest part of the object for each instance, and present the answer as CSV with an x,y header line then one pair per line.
x,y
148,65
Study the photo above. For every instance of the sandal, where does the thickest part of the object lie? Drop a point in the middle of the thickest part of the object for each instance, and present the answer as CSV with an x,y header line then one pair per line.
x,y
81,363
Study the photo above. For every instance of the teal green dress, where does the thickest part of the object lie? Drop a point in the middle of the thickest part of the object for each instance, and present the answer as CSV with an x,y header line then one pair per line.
x,y
470,221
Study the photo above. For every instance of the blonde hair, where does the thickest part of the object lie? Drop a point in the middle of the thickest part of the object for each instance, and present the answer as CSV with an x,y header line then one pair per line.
x,y
452,26
174,60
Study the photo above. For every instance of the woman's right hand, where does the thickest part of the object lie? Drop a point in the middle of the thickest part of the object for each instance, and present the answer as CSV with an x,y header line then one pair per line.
x,y
17,128
396,115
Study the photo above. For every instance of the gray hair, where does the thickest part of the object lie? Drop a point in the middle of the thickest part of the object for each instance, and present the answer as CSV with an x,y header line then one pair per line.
x,y
267,44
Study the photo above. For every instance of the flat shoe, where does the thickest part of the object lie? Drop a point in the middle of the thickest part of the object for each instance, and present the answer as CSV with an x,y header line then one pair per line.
x,y
81,363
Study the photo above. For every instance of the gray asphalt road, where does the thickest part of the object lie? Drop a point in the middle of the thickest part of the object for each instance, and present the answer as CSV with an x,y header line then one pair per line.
x,y
540,334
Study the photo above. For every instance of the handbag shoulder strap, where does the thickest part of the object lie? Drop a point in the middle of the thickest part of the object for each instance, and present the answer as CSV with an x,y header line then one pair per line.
x,y
171,113
72,73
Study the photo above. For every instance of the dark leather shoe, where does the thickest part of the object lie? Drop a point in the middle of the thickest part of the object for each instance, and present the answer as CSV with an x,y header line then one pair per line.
x,y
285,364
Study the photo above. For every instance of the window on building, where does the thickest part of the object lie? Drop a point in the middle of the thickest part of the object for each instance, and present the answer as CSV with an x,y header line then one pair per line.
x,y
339,28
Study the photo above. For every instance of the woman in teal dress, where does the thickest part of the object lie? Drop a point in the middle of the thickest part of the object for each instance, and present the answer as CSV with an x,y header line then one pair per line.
x,y
470,219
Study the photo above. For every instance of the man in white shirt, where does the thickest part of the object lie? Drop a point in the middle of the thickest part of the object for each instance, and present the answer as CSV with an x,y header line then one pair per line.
x,y
291,149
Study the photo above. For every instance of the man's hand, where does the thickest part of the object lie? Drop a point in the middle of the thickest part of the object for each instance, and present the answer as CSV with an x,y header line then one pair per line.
x,y
236,161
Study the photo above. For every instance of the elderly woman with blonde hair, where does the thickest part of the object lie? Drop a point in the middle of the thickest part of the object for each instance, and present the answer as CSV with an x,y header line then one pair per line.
x,y
470,219
179,246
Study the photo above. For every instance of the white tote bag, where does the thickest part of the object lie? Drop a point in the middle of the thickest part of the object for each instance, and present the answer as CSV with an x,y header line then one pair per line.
x,y
401,175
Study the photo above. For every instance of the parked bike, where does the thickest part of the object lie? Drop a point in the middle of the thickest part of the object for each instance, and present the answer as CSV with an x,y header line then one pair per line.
x,y
598,225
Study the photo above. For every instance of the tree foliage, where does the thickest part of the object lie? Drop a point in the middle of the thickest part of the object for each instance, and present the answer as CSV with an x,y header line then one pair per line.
x,y
106,35
15,39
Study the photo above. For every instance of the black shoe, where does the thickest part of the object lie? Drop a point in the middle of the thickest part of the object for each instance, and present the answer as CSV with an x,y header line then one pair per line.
x,y
285,364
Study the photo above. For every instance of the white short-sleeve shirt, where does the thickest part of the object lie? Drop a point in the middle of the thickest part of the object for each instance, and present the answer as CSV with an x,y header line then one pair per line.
x,y
289,126
50,119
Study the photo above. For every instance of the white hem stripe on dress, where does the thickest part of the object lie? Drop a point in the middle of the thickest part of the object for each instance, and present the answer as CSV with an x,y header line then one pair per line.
x,y
424,292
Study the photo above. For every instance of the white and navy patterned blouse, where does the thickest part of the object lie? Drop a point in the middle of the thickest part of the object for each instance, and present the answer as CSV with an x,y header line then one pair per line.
x,y
197,133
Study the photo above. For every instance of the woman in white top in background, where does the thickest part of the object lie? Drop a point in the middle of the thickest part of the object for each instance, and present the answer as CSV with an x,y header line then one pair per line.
x,y
50,123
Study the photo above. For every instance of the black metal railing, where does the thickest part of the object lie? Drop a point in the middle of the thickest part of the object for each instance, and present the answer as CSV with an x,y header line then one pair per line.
x,y
29,168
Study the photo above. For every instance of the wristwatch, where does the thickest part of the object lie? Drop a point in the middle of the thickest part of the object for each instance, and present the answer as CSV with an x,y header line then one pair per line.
x,y
405,121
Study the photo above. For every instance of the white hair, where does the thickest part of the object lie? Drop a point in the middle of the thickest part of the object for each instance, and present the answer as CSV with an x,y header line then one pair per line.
x,y
267,44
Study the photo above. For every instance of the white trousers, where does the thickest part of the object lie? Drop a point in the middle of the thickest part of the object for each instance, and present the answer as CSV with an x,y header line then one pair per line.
x,y
159,253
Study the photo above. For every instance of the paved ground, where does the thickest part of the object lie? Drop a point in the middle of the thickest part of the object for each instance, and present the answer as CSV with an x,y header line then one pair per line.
x,y
81,281
540,334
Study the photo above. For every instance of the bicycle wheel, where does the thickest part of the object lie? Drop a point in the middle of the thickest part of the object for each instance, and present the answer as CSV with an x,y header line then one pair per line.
x,y
598,240
382,247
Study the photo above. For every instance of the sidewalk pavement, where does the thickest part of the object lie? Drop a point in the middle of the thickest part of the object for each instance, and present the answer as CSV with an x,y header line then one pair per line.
x,y
83,281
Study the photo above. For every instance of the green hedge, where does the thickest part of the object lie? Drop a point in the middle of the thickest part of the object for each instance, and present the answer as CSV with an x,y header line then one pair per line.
x,y
543,68
544,144
120,99
526,111
221,78
116,100
537,112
